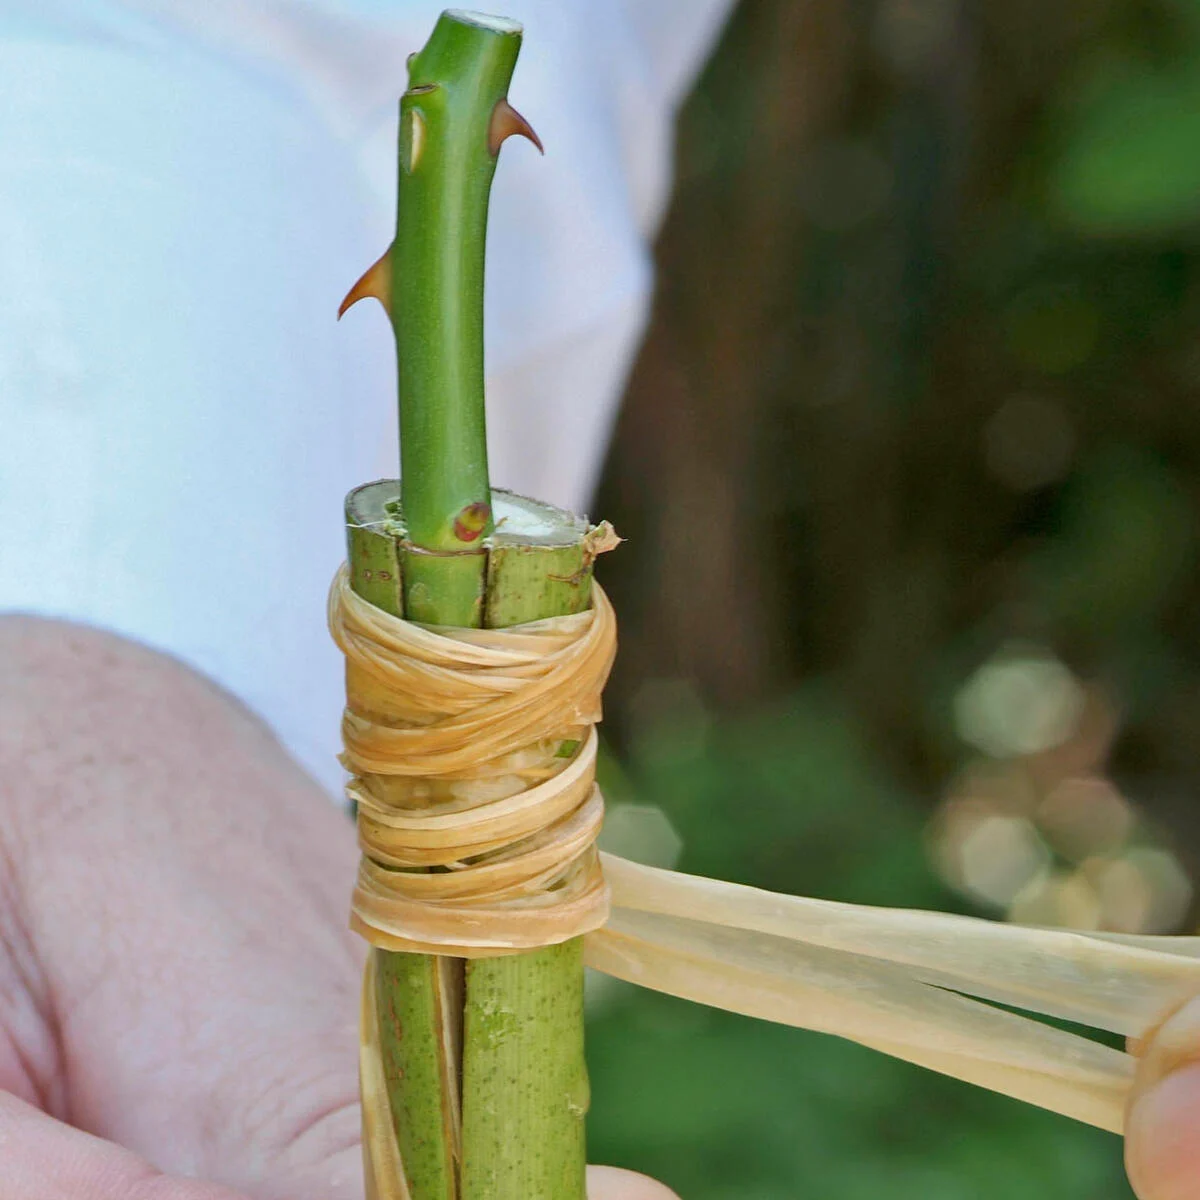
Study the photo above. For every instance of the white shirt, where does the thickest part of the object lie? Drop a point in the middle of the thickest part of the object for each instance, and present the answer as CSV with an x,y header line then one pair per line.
x,y
186,192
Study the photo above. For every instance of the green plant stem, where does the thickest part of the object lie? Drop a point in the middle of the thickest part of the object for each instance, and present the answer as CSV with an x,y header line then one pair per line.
x,y
436,304
525,1085
509,1056
416,996
483,1060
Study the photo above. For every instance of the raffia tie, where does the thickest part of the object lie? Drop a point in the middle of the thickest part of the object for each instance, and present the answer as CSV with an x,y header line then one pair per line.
x,y
473,757
473,754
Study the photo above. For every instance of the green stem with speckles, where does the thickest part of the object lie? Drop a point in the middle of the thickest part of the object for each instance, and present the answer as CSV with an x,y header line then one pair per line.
x,y
486,1075
483,1060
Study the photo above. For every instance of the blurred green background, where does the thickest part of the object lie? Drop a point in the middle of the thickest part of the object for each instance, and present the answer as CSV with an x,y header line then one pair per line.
x,y
908,470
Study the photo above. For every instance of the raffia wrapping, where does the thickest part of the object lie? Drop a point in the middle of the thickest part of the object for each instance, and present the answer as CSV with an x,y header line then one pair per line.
x,y
473,756
454,739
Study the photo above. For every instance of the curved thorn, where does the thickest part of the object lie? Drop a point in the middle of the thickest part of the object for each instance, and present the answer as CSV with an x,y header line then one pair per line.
x,y
375,281
505,122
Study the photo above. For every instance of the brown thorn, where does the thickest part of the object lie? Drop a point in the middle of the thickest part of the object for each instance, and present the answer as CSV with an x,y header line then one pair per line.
x,y
504,123
375,281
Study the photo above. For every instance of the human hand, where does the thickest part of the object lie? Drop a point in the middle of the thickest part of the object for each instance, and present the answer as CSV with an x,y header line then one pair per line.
x,y
178,990
1162,1133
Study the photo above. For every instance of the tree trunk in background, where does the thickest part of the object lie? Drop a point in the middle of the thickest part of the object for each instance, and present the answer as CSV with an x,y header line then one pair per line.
x,y
895,408
757,457
701,593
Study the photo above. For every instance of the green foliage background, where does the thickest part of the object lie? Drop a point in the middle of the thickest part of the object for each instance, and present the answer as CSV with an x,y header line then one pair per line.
x,y
893,217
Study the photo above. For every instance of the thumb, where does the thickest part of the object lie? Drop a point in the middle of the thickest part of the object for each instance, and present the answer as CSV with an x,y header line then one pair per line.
x,y
1162,1130
52,1161
613,1183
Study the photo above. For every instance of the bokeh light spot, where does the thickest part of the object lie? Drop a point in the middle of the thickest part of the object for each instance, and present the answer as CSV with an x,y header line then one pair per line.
x,y
1023,701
